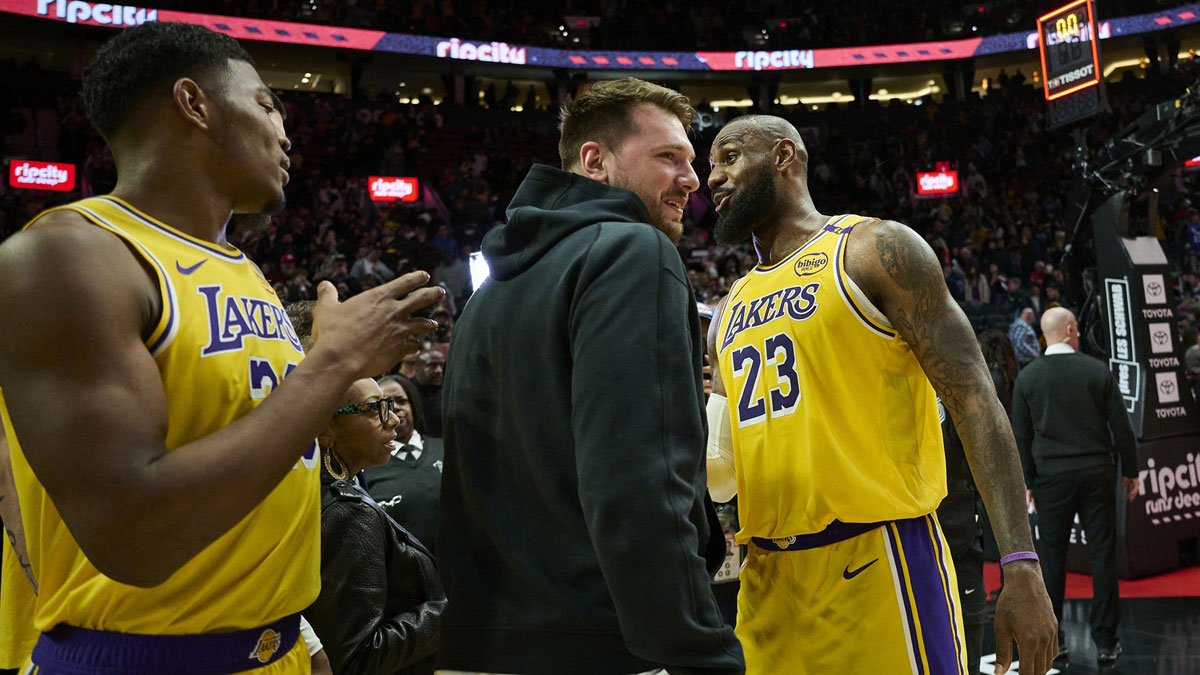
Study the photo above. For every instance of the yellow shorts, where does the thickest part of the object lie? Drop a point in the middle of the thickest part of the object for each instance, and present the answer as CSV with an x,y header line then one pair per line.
x,y
884,601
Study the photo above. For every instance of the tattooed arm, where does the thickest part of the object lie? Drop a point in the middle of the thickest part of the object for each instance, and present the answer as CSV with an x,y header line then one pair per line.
x,y
10,512
900,274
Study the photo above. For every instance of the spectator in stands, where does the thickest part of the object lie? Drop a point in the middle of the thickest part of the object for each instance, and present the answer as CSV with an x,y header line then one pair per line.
x,y
409,484
371,265
1014,297
1001,360
431,364
1193,238
445,242
1191,358
978,291
454,273
1023,338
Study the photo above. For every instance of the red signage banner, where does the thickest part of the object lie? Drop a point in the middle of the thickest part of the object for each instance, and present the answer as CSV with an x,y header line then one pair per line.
x,y
31,175
937,182
394,189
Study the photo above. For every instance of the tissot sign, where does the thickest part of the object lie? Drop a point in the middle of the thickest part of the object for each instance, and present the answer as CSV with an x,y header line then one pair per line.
x,y
393,189
31,175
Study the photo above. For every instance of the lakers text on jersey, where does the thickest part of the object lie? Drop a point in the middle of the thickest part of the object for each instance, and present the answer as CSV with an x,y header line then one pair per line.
x,y
832,416
222,343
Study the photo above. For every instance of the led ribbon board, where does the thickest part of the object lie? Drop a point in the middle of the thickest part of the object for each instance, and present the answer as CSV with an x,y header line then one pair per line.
x,y
455,48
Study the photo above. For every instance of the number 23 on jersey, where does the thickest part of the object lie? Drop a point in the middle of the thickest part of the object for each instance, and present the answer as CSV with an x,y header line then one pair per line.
x,y
777,354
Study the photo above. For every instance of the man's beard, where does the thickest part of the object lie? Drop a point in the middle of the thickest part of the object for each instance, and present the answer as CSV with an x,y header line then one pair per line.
x,y
756,201
668,226
275,205
256,222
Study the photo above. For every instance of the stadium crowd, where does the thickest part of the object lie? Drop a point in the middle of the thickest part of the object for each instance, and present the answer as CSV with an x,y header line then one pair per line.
x,y
1001,240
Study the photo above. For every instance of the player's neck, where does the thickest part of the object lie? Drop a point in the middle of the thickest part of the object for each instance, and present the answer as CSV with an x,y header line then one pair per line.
x,y
194,207
788,234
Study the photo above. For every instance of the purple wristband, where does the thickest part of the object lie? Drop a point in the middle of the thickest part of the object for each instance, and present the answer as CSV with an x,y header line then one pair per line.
x,y
1019,555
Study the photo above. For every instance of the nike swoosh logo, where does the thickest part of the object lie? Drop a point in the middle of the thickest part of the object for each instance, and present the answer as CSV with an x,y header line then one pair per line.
x,y
850,575
969,591
188,270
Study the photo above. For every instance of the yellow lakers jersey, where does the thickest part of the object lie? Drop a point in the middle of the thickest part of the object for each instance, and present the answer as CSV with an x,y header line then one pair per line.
x,y
222,343
17,601
832,416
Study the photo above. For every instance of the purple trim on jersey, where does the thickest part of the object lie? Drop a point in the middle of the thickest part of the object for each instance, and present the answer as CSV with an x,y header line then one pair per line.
x,y
939,634
828,227
839,271
909,611
172,311
207,248
67,650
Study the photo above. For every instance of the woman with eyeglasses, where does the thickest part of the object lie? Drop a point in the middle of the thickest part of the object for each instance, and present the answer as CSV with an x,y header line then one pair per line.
x,y
381,601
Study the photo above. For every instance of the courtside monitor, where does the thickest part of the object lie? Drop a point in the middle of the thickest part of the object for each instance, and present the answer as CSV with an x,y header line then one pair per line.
x,y
1067,42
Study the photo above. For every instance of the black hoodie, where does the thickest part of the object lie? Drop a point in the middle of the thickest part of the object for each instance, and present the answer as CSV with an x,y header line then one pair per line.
x,y
572,514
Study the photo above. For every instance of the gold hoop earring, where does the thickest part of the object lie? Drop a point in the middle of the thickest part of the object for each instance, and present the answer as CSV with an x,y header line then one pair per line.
x,y
342,473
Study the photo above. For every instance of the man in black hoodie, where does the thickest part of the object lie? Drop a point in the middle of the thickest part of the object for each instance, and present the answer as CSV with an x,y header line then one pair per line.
x,y
573,519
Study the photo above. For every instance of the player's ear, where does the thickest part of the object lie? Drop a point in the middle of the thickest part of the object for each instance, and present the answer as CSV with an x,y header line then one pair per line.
x,y
783,155
592,158
190,102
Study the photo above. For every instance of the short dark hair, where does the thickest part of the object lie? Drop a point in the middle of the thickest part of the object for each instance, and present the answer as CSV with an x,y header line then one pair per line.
x,y
143,61
602,114
414,399
300,313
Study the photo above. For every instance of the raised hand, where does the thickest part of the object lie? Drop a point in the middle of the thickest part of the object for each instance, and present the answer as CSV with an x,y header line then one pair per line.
x,y
373,330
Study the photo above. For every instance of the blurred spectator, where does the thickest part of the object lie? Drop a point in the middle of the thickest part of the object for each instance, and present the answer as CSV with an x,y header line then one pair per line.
x,y
371,265
1023,338
409,484
431,364
1191,358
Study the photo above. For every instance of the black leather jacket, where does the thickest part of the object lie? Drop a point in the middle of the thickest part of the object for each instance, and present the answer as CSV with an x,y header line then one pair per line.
x,y
381,601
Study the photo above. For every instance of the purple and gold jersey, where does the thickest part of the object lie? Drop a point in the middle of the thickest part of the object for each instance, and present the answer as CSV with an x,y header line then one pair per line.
x,y
222,343
832,416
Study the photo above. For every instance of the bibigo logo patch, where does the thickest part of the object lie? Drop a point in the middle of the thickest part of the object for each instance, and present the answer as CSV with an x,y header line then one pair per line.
x,y
811,263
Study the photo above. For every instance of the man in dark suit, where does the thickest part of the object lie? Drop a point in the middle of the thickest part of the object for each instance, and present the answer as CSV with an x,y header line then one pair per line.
x,y
1066,413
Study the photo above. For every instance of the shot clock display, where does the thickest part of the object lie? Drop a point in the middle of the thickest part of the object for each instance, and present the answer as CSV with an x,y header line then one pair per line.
x,y
1067,39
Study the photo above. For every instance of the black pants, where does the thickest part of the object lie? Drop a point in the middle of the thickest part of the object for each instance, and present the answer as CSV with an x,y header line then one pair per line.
x,y
1093,494
972,596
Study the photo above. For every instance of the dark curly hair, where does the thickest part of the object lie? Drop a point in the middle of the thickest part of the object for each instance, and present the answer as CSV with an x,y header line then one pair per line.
x,y
146,60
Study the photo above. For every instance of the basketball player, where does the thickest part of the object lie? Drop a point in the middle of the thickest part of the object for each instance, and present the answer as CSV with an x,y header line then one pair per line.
x,y
170,505
830,436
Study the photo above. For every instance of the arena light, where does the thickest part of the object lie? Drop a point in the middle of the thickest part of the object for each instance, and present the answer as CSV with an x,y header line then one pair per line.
x,y
480,271
30,175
